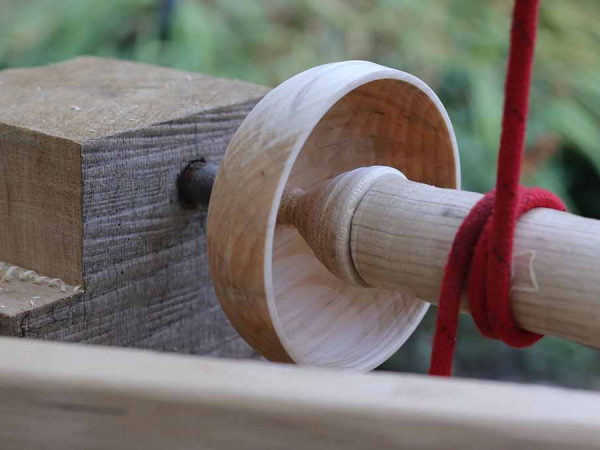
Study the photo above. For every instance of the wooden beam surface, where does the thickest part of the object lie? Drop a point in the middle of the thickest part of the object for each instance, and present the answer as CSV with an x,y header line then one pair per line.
x,y
90,97
90,153
65,396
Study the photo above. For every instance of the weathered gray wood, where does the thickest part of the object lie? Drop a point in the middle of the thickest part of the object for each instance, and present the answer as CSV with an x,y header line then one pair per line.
x,y
143,257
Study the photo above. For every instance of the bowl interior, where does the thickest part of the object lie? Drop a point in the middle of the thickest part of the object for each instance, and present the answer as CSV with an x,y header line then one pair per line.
x,y
326,322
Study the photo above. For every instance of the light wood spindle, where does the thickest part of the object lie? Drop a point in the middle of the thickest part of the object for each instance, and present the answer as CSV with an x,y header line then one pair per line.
x,y
374,228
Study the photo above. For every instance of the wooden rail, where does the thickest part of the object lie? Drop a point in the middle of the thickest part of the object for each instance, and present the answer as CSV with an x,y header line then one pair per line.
x,y
65,396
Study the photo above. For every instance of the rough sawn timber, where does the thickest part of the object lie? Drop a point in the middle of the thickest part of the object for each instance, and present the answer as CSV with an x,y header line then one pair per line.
x,y
90,153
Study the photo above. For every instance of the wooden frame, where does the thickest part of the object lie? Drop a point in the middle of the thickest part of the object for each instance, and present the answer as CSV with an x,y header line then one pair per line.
x,y
65,396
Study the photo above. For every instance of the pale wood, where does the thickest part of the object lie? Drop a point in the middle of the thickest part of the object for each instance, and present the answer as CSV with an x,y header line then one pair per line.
x,y
401,233
41,224
323,217
320,123
90,153
60,396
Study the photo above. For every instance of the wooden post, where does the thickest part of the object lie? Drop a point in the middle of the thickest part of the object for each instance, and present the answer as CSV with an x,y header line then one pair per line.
x,y
97,245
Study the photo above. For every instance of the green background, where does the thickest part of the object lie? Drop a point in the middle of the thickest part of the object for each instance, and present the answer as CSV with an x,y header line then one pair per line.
x,y
458,47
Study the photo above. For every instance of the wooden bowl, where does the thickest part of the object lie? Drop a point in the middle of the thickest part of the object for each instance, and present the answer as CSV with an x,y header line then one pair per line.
x,y
320,123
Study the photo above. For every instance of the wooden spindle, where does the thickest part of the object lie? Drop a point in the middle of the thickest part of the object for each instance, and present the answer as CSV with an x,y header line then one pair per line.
x,y
373,227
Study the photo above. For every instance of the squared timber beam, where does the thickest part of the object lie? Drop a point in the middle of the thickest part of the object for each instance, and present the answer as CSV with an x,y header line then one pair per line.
x,y
95,244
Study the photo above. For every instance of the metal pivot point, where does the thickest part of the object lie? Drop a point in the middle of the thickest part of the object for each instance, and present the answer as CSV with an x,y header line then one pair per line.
x,y
196,182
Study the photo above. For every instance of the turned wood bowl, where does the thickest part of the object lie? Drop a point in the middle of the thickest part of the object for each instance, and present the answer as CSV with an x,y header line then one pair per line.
x,y
320,123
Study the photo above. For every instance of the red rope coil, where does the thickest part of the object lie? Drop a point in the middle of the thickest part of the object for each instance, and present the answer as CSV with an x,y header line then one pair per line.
x,y
483,247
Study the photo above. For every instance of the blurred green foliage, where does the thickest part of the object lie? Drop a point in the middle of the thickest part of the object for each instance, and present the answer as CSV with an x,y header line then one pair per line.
x,y
458,47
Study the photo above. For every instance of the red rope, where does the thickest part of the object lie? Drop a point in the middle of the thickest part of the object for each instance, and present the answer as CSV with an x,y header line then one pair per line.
x,y
482,249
